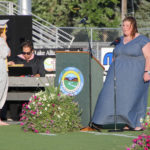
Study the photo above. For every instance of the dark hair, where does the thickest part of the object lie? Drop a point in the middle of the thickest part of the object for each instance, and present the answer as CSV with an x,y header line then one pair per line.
x,y
132,20
27,44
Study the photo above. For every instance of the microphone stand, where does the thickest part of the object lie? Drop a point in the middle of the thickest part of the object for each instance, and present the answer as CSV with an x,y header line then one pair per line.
x,y
115,107
90,58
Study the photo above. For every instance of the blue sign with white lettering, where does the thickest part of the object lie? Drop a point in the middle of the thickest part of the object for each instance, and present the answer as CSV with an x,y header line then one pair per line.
x,y
108,58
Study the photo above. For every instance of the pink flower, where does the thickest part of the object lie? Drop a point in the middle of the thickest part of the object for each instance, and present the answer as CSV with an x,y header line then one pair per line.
x,y
133,145
47,131
128,149
36,131
148,113
53,105
139,137
29,102
148,145
52,121
134,140
21,123
21,114
25,130
34,113
39,104
140,143
23,104
23,118
58,94
146,123
35,97
145,148
147,140
27,107
24,111
45,126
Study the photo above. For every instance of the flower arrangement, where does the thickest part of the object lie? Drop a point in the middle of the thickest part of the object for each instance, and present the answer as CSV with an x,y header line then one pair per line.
x,y
146,121
141,143
50,111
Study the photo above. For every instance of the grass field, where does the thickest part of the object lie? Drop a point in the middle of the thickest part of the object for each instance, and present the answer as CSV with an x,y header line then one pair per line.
x,y
149,97
13,138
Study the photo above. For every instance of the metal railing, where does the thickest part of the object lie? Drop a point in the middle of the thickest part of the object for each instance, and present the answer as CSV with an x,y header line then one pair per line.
x,y
44,34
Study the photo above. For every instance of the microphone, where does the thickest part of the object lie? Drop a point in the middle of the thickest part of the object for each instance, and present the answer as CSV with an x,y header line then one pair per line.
x,y
115,42
83,20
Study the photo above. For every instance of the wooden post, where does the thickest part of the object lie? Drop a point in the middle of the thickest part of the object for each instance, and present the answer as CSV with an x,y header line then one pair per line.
x,y
123,9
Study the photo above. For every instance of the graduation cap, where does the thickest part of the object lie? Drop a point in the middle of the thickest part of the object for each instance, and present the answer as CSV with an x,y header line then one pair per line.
x,y
3,23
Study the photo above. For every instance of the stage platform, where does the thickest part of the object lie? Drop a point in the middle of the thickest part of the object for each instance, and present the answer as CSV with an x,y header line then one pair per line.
x,y
22,88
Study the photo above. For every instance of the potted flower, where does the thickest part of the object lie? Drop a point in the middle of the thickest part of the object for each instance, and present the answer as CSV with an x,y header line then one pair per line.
x,y
146,121
50,111
142,142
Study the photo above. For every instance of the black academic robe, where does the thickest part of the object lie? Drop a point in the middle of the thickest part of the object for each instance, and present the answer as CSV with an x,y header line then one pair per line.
x,y
36,63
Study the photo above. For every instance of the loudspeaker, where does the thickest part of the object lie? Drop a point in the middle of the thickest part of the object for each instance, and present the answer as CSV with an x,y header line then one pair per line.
x,y
19,30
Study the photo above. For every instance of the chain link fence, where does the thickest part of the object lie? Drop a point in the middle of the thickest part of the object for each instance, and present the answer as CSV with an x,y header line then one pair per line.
x,y
98,34
98,37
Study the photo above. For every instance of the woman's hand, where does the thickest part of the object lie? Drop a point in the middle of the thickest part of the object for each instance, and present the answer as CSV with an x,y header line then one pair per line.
x,y
11,63
3,35
146,77
37,75
146,52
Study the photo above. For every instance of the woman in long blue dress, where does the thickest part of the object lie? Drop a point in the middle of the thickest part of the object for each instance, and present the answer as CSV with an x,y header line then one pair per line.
x,y
132,69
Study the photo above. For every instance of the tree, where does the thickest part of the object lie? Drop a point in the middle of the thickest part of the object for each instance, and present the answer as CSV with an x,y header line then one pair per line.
x,y
59,13
100,13
143,14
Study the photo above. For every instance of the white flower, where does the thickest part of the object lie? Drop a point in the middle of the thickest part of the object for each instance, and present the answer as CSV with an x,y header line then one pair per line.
x,y
40,112
58,116
52,95
46,84
48,105
46,108
62,114
147,119
59,108
141,120
30,99
44,98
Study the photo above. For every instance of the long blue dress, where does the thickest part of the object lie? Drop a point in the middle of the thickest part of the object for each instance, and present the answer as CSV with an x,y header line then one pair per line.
x,y
131,90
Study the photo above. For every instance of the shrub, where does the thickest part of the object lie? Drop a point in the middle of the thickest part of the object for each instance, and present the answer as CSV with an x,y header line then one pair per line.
x,y
141,143
50,111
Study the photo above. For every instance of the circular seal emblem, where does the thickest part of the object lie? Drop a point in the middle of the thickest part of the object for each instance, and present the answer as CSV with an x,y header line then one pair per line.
x,y
49,64
71,81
